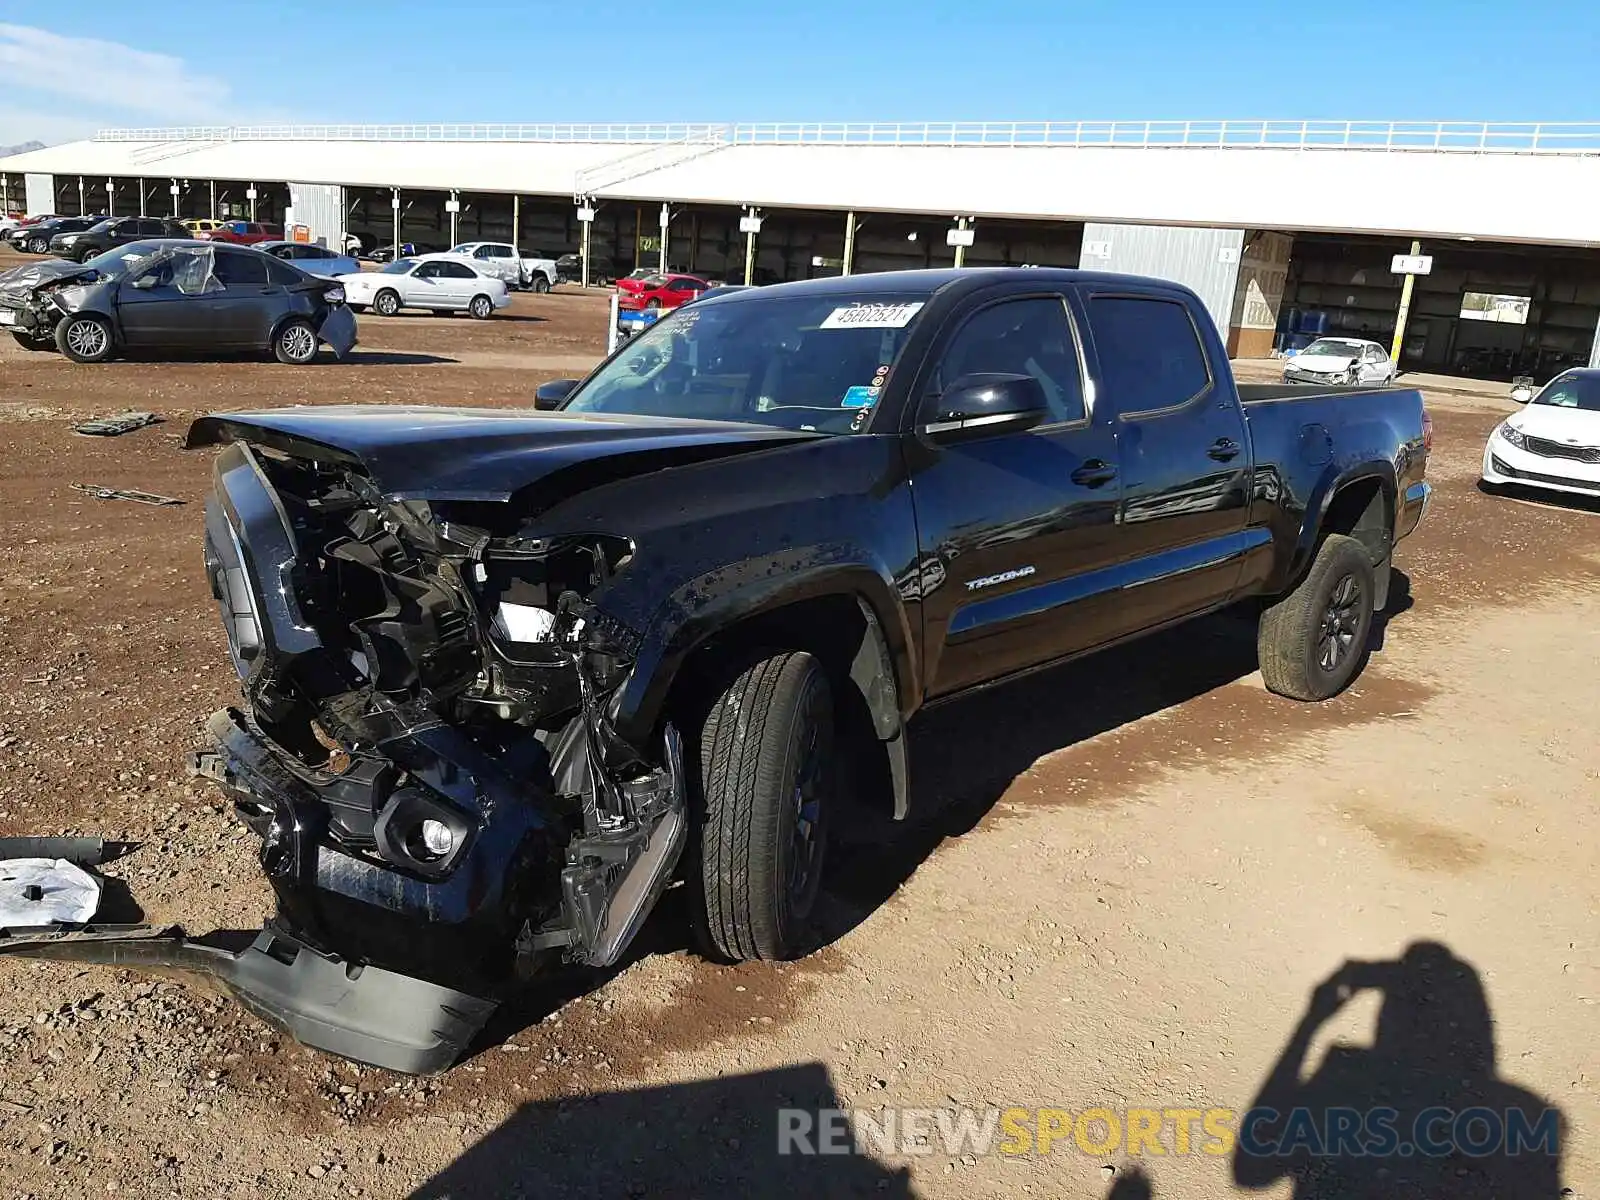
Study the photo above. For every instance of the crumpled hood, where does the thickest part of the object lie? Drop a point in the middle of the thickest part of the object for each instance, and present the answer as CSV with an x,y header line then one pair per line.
x,y
423,453
20,282
1322,363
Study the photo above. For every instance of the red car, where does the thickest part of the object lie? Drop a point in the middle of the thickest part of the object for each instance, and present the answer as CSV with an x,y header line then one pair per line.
x,y
243,233
658,291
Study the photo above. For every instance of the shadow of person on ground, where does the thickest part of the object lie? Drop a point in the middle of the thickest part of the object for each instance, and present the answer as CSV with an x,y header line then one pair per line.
x,y
708,1138
1131,1185
1420,1112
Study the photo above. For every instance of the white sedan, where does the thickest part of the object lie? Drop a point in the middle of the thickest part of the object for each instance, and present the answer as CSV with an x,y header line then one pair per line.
x,y
439,283
1335,360
1554,442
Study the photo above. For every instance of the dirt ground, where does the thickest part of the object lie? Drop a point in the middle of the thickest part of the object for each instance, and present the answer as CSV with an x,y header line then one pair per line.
x,y
1130,878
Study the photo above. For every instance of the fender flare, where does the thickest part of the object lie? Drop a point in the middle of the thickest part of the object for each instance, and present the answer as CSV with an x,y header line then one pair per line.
x,y
882,667
1328,486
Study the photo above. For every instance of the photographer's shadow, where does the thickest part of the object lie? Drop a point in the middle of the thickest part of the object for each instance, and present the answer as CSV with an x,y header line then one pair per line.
x,y
1456,1129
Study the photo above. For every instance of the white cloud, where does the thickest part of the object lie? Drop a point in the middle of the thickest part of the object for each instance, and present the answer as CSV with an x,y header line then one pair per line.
x,y
19,124
95,74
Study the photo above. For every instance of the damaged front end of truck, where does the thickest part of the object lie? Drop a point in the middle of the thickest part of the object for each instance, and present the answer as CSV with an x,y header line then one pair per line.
x,y
426,746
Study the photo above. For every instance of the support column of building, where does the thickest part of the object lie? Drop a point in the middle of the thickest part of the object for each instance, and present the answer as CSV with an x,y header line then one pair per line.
x,y
586,220
1406,288
750,225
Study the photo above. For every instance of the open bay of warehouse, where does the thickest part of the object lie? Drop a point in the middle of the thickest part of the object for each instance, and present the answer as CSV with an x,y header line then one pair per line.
x,y
1129,877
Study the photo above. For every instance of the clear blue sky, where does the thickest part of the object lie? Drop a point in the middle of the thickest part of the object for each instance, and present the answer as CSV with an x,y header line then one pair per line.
x,y
715,60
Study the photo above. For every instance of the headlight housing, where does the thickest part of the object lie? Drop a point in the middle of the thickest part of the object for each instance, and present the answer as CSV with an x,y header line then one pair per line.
x,y
1511,435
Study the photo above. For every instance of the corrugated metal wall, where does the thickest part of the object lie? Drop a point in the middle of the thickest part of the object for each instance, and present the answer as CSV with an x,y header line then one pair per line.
x,y
320,206
41,190
1206,260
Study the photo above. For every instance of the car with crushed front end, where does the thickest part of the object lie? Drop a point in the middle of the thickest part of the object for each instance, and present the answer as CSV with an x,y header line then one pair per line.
x,y
174,295
506,674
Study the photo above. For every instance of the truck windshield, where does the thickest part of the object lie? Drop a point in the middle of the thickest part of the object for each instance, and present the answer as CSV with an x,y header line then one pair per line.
x,y
806,362
1576,391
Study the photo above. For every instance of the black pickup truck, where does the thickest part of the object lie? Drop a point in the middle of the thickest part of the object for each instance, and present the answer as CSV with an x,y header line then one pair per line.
x,y
508,673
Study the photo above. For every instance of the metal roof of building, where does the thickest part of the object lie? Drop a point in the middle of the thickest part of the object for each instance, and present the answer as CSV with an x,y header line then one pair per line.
x,y
1513,182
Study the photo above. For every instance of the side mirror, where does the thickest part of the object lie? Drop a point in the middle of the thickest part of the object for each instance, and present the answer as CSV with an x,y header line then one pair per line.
x,y
144,283
551,395
975,405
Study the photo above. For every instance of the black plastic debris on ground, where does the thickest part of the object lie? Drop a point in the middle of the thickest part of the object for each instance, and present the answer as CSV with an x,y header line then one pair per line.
x,y
114,426
138,497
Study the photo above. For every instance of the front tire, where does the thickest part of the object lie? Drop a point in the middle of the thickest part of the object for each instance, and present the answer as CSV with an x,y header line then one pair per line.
x,y
37,245
1313,641
767,782
30,343
84,338
481,308
295,343
386,303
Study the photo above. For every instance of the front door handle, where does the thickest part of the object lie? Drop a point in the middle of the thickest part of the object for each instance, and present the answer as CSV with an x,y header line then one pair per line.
x,y
1094,473
1224,450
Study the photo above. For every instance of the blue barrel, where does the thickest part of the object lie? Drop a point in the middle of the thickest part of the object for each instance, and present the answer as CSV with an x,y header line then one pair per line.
x,y
1313,322
1288,320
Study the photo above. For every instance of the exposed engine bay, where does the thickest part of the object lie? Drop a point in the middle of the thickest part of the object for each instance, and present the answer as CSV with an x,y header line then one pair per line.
x,y
426,739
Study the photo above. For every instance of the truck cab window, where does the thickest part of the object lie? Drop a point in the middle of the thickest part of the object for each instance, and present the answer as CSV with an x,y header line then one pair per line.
x,y
1021,337
1150,355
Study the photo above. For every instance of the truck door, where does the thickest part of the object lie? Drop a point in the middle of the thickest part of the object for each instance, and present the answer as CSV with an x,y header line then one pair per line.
x,y
1012,526
1186,461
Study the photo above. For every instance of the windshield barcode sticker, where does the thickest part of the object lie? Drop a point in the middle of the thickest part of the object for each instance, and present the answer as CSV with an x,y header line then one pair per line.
x,y
872,316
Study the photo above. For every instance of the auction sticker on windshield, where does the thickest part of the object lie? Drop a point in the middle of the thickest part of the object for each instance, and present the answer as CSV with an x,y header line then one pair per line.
x,y
871,316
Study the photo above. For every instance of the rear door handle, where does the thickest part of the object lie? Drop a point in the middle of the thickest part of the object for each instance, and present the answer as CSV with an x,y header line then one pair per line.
x,y
1094,473
1224,449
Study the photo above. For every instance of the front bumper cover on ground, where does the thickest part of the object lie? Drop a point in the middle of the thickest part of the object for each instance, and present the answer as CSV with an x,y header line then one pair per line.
x,y
360,1012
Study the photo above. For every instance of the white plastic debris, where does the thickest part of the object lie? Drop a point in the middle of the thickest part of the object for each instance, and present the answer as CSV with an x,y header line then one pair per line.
x,y
46,891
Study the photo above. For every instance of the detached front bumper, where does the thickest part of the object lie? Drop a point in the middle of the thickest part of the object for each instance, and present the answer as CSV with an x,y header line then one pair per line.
x,y
348,1008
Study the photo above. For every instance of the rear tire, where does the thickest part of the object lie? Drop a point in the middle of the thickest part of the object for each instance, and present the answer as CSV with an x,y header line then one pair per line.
x,y
37,245
386,303
84,338
541,283
295,343
481,308
767,783
1312,641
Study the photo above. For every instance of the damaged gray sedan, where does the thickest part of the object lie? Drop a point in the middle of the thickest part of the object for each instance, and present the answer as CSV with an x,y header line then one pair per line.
x,y
175,295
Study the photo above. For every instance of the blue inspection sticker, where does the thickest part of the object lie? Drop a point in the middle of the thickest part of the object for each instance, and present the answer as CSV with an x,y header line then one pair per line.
x,y
859,397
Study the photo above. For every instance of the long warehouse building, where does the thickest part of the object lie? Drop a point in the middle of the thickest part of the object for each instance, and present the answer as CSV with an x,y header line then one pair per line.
x,y
1287,229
